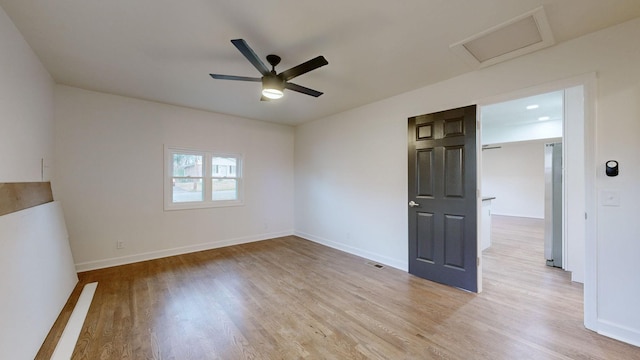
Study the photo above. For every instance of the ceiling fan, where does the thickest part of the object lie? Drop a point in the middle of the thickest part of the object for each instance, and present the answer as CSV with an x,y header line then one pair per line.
x,y
273,84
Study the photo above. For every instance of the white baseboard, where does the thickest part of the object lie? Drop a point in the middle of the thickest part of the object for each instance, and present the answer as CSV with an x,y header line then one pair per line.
x,y
129,259
618,332
401,265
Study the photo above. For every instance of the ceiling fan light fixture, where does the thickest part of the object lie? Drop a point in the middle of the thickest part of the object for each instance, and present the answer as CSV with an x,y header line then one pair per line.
x,y
272,87
272,93
273,84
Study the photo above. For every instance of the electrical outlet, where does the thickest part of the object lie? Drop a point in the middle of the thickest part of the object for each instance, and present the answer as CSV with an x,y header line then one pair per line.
x,y
119,244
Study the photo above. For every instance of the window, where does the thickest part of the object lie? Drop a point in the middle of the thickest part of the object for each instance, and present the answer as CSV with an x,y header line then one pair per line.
x,y
224,180
200,179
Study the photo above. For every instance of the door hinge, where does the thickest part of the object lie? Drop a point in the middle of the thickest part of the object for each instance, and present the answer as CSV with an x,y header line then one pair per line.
x,y
477,262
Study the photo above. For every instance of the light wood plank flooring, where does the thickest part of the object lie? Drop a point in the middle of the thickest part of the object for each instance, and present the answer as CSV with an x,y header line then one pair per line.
x,y
289,298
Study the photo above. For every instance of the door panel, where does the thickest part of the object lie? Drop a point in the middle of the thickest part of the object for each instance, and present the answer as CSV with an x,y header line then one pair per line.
x,y
453,171
453,127
425,131
454,241
425,171
426,249
442,187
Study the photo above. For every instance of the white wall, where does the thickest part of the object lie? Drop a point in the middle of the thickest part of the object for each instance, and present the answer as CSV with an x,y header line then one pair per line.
x,y
37,277
514,174
109,151
351,191
26,109
523,132
36,269
340,187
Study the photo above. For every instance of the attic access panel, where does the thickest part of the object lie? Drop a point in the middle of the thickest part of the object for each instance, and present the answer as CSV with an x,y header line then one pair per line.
x,y
522,35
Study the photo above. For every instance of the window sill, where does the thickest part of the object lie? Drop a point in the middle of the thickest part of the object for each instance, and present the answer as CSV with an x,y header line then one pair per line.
x,y
201,205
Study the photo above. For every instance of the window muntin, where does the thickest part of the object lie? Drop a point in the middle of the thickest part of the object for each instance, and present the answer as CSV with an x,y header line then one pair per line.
x,y
200,179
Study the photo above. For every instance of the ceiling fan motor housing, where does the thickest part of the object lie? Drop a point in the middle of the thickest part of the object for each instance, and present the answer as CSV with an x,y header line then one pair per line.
x,y
272,81
274,60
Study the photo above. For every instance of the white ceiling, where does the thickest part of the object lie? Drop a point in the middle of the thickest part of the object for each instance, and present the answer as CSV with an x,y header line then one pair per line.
x,y
163,50
543,107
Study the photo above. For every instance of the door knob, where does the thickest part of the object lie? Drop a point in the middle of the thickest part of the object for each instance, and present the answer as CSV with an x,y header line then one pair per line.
x,y
413,203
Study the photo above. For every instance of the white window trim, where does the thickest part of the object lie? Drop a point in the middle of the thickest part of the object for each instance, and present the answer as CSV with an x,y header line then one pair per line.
x,y
206,180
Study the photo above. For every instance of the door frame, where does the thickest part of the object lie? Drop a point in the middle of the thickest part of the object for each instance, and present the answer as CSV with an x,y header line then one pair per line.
x,y
589,83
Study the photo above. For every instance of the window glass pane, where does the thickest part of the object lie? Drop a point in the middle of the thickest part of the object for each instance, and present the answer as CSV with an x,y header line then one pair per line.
x,y
223,166
187,190
224,189
187,165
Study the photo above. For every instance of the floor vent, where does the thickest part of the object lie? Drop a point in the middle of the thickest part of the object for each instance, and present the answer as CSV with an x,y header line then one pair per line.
x,y
522,35
375,265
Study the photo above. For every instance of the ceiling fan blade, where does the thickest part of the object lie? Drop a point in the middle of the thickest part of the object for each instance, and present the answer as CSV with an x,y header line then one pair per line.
x,y
302,89
303,68
233,77
250,55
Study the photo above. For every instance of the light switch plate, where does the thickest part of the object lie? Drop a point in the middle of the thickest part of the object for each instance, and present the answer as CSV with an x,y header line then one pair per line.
x,y
610,198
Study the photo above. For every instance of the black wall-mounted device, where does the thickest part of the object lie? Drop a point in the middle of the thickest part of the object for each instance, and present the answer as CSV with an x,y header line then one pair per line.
x,y
611,168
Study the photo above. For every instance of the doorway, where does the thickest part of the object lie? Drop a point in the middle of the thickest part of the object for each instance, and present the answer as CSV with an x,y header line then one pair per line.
x,y
578,199
517,169
580,202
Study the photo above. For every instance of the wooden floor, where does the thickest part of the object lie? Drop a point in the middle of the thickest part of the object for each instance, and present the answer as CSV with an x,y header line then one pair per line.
x,y
289,298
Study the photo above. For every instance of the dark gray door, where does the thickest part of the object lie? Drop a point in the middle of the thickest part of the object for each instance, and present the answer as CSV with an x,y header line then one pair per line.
x,y
442,197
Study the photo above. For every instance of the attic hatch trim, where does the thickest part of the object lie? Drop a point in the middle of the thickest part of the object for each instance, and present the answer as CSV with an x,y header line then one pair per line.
x,y
530,39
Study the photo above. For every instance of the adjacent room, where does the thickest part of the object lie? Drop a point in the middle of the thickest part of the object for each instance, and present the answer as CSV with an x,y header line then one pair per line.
x,y
238,180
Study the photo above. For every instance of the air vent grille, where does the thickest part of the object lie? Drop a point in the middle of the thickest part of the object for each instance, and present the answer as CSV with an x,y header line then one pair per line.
x,y
375,265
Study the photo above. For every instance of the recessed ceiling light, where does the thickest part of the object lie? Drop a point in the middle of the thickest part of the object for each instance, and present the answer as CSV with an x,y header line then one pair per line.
x,y
534,106
544,118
